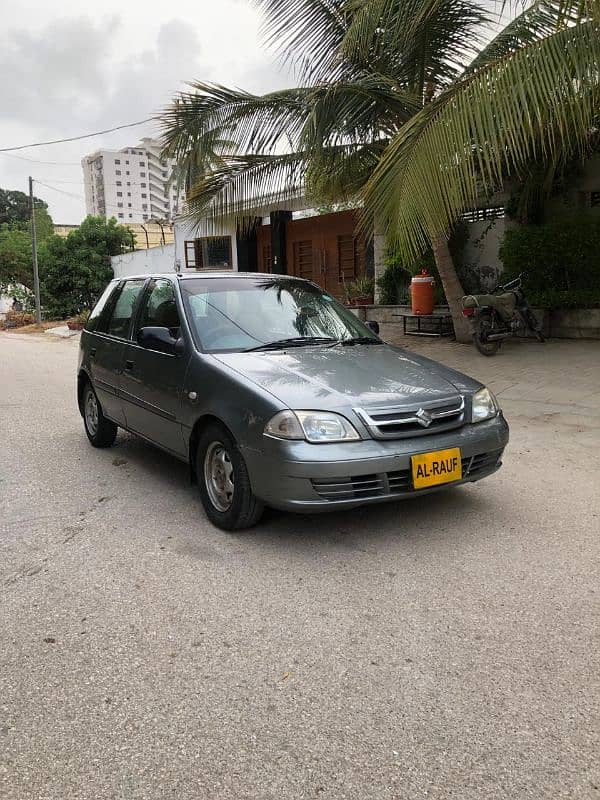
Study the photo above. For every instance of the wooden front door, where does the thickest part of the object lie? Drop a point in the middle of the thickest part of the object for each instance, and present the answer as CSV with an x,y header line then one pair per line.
x,y
264,258
324,249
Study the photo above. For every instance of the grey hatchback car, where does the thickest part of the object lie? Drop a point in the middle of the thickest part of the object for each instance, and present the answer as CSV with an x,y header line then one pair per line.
x,y
277,395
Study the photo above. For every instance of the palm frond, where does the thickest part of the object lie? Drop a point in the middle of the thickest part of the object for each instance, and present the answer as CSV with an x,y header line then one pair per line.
x,y
541,19
306,33
538,101
369,107
421,43
339,174
243,184
195,120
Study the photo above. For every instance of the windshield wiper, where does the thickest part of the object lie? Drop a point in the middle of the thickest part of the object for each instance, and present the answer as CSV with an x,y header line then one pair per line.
x,y
357,340
295,341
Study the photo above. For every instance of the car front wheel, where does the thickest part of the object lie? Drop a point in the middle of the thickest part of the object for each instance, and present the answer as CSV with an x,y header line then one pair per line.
x,y
224,482
100,431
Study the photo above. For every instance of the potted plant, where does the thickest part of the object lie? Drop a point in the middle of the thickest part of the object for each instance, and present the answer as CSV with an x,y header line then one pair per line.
x,y
77,323
360,291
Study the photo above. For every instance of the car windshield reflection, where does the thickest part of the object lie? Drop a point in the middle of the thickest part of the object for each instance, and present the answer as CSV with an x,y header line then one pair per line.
x,y
245,314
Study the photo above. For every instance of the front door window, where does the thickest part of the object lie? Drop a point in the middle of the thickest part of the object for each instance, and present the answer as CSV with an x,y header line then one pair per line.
x,y
160,309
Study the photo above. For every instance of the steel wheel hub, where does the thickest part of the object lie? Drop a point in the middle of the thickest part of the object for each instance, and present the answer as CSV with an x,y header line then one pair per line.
x,y
91,413
218,476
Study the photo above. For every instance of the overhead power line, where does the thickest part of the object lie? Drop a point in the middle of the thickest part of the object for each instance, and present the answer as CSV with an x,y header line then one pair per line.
x,y
61,191
122,209
37,161
76,138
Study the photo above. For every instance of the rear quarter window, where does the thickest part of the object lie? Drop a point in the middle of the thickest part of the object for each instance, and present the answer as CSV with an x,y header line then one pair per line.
x,y
98,318
124,308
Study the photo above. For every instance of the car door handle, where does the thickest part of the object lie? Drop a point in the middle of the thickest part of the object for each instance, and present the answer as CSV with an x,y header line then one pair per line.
x,y
128,366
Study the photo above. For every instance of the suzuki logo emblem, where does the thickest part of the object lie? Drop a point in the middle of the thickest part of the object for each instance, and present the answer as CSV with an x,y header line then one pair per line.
x,y
424,418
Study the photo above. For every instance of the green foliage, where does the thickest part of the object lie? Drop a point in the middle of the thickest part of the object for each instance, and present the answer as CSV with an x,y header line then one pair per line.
x,y
414,101
15,257
14,206
393,284
334,208
410,107
361,287
44,226
566,298
16,265
15,212
24,296
75,270
561,259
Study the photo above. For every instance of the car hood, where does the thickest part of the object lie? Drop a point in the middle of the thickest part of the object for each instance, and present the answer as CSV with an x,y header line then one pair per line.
x,y
336,377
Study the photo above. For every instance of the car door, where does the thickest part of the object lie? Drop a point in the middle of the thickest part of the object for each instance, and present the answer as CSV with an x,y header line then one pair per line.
x,y
108,334
152,381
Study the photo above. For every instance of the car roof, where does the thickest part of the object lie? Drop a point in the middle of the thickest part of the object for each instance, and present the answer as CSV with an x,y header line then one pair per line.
x,y
202,274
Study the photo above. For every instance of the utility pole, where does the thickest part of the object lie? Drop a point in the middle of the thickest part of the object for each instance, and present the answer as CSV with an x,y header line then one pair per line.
x,y
36,277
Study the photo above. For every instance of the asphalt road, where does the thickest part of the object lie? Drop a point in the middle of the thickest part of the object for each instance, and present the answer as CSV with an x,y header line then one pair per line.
x,y
442,648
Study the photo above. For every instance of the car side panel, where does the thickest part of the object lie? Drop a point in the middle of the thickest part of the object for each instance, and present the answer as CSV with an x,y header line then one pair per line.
x,y
230,397
103,363
151,390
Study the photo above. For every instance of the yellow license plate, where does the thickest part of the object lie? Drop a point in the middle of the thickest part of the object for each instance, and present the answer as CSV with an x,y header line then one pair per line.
x,y
432,469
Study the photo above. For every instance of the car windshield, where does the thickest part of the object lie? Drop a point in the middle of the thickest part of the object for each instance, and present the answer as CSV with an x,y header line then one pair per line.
x,y
232,314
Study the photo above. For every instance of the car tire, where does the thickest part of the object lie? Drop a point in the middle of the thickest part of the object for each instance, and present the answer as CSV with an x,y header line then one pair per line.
x,y
100,431
224,482
484,322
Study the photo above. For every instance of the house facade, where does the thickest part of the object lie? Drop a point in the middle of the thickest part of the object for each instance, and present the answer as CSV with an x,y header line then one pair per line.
x,y
323,248
294,239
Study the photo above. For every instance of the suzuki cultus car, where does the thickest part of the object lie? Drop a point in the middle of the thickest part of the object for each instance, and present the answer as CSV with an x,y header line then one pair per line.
x,y
277,395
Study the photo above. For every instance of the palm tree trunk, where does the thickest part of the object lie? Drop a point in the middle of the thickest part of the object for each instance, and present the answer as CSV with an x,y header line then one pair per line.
x,y
452,287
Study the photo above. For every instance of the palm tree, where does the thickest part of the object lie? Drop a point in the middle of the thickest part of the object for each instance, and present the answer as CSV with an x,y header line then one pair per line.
x,y
412,108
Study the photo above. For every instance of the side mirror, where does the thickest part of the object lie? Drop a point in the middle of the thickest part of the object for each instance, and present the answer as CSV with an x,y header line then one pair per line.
x,y
373,326
160,339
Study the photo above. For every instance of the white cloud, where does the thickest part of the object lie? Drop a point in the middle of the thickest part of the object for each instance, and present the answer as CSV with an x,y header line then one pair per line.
x,y
67,70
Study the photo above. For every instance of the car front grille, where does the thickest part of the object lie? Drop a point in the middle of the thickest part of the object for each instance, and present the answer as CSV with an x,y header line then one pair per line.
x,y
399,422
361,487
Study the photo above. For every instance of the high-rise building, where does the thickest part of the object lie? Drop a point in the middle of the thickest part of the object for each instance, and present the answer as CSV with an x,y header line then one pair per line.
x,y
131,184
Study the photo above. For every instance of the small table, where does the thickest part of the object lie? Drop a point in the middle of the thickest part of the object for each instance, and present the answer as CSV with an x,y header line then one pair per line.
x,y
435,324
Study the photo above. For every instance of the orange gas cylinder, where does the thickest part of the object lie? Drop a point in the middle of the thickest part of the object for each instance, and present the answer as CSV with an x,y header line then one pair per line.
x,y
421,290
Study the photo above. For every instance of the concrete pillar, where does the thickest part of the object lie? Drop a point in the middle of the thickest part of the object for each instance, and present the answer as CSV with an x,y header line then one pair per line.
x,y
379,252
279,221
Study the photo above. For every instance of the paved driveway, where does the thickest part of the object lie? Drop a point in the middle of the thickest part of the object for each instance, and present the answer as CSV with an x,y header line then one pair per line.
x,y
441,648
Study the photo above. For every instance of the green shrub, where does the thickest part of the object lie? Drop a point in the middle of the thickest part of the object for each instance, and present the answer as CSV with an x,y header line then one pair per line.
x,y
561,259
566,298
393,284
361,287
75,270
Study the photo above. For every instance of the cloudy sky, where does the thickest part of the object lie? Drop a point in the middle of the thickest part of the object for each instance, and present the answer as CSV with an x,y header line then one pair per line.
x,y
74,66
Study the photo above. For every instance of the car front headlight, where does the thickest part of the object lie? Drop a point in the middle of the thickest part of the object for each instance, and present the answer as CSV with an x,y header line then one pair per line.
x,y
314,426
484,406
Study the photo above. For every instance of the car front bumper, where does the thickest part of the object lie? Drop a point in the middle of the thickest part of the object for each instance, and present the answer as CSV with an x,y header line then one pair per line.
x,y
306,477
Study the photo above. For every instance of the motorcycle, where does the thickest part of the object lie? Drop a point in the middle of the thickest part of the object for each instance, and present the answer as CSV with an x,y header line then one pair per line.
x,y
499,315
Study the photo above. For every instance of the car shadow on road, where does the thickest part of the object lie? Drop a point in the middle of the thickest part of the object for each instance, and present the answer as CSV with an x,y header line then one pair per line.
x,y
446,513
131,451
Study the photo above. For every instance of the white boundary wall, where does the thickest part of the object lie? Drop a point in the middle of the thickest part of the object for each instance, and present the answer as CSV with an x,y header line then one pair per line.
x,y
138,262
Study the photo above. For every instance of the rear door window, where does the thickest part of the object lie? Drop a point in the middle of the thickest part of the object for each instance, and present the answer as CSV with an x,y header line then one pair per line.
x,y
120,321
